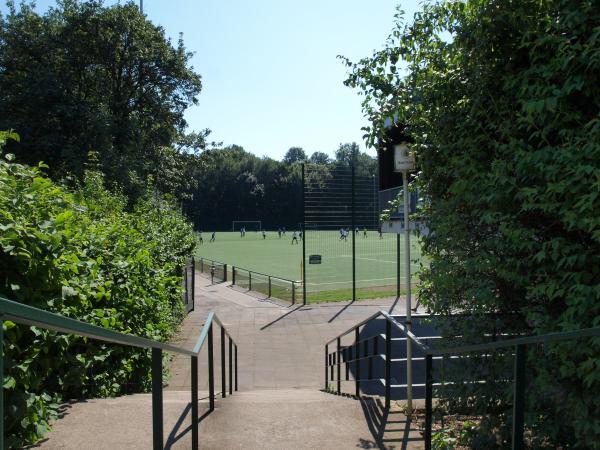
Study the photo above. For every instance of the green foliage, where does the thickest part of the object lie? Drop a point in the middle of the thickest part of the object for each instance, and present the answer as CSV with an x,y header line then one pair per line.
x,y
80,253
84,76
502,100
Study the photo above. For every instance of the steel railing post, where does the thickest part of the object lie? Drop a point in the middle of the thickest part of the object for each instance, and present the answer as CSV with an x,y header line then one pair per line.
x,y
202,265
519,397
1,381
428,401
357,359
223,386
339,368
249,280
230,366
326,364
157,400
293,293
224,273
193,283
211,370
233,275
269,286
388,362
195,441
236,367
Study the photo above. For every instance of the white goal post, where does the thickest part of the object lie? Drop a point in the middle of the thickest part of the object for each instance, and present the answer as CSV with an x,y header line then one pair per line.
x,y
251,225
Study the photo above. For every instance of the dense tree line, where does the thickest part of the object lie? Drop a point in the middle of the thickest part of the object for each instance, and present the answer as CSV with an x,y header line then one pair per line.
x,y
88,78
232,184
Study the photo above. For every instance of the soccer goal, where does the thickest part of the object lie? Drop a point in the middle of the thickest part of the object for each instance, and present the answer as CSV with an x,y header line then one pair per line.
x,y
250,225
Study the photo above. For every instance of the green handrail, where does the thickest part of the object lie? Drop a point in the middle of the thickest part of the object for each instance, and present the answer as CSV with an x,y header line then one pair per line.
x,y
29,315
519,343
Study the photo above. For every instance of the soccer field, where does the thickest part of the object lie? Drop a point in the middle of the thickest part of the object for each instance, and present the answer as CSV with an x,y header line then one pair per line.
x,y
376,267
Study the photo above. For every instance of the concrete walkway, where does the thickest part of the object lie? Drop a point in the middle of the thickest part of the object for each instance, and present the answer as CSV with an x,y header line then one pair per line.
x,y
279,404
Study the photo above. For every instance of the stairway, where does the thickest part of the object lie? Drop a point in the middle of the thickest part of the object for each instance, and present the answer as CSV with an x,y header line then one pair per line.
x,y
258,419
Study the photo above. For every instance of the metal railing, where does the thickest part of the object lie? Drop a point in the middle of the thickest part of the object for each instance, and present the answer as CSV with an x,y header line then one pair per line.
x,y
214,269
28,315
189,285
269,285
352,354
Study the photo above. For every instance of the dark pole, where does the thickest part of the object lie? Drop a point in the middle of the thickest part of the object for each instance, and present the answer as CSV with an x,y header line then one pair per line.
x,y
398,265
353,239
193,283
428,401
230,366
236,367
223,386
211,370
519,398
357,357
157,400
326,364
388,362
1,381
339,372
303,236
194,402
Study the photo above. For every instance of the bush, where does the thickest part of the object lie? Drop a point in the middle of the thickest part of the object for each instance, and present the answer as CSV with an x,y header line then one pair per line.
x,y
502,100
79,252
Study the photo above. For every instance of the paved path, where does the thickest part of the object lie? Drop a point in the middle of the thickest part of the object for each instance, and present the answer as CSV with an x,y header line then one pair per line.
x,y
279,404
279,346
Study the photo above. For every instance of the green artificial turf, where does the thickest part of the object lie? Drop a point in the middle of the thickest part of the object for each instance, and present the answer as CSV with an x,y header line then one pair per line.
x,y
331,280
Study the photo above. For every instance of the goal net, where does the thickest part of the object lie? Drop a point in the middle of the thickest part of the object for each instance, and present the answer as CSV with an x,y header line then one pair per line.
x,y
250,225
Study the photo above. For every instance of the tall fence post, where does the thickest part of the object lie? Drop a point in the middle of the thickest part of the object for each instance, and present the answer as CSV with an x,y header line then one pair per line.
x,y
353,231
388,362
157,400
211,370
195,441
428,401
223,386
519,397
303,235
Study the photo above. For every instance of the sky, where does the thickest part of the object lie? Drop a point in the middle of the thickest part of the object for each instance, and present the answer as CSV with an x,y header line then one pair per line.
x,y
270,72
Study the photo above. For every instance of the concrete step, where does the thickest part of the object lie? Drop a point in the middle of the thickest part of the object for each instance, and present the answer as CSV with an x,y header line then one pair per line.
x,y
259,419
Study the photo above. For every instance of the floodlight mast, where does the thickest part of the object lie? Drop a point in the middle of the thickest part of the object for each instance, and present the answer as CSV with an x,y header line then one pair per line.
x,y
142,6
404,162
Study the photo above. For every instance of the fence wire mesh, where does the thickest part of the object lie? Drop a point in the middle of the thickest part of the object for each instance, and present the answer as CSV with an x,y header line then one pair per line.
x,y
342,206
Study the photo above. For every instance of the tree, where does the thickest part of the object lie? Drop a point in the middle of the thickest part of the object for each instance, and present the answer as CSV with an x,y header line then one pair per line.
x,y
294,154
502,101
320,158
84,77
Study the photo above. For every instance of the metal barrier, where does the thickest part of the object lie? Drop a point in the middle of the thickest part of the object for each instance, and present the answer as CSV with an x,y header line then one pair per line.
x,y
269,285
189,285
353,354
28,315
215,269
